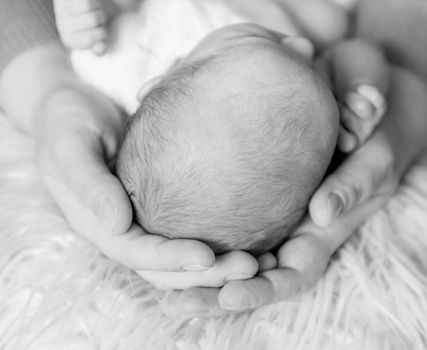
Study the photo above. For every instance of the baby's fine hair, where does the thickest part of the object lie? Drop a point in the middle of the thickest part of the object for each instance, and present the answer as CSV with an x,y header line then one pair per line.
x,y
240,186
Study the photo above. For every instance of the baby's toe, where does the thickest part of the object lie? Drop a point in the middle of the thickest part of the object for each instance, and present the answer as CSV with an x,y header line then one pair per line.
x,y
99,48
90,20
347,142
359,120
266,261
86,21
360,128
75,7
85,39
367,102
362,111
359,105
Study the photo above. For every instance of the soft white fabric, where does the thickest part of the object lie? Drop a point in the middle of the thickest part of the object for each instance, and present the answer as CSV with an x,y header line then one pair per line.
x,y
58,292
147,43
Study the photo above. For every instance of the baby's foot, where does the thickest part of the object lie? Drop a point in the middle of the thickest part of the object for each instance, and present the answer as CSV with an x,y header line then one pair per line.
x,y
361,112
81,24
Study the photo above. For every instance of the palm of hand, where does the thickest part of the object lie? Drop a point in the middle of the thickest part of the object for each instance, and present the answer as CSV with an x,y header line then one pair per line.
x,y
363,183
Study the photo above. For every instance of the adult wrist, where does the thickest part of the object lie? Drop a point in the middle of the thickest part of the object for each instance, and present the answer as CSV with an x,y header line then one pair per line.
x,y
29,79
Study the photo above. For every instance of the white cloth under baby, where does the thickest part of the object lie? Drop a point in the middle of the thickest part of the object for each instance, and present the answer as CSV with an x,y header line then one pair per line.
x,y
148,42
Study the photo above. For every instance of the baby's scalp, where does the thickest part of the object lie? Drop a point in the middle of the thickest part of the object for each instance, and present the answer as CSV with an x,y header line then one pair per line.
x,y
229,148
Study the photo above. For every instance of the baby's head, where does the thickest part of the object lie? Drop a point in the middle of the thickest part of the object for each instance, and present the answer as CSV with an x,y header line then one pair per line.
x,y
229,147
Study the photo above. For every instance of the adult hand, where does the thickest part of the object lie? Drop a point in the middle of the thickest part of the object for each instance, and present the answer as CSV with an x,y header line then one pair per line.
x,y
365,181
77,131
77,136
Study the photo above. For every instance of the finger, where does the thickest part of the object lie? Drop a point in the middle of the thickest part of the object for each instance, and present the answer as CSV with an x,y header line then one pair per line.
x,y
135,249
203,302
139,250
301,45
84,39
76,158
227,267
266,261
302,260
358,129
358,178
192,302
83,21
74,7
360,119
246,295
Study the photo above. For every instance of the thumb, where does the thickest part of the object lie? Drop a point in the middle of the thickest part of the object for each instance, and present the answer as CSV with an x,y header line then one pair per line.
x,y
363,175
74,170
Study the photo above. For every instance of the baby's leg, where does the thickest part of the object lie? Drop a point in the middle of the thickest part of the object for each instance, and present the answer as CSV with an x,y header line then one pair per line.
x,y
359,75
81,24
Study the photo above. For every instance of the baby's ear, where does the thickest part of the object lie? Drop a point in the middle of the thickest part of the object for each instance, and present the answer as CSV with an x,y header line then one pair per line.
x,y
301,45
146,87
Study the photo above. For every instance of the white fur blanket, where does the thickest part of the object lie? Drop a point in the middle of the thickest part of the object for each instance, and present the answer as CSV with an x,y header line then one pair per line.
x,y
58,292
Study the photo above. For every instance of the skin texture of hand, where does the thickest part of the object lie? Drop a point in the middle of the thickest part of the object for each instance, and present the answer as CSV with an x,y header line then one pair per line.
x,y
362,180
364,176
77,133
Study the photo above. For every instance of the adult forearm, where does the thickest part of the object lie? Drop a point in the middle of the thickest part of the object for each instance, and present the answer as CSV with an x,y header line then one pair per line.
x,y
32,61
25,24
30,78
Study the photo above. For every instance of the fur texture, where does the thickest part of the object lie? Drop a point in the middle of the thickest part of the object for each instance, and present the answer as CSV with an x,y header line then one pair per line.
x,y
58,292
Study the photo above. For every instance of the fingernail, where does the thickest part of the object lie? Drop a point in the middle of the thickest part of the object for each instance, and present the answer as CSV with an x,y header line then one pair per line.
x,y
195,268
359,105
107,214
336,204
238,276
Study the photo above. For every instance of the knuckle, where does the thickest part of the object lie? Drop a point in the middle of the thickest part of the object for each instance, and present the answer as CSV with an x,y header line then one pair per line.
x,y
357,192
350,187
